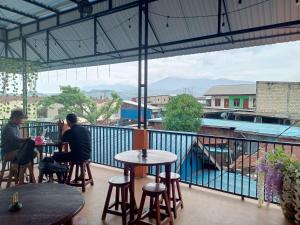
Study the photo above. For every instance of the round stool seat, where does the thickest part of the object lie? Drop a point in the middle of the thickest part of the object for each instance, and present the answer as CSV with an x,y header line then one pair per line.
x,y
119,180
174,176
154,187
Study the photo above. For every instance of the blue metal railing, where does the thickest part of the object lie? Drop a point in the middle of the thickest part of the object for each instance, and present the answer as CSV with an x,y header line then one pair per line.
x,y
220,163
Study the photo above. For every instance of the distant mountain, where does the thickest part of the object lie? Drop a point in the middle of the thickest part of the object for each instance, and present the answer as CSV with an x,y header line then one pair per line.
x,y
168,86
196,87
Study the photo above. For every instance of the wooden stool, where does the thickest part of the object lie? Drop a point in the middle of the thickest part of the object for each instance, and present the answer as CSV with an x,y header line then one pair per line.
x,y
16,173
155,191
80,181
120,183
176,201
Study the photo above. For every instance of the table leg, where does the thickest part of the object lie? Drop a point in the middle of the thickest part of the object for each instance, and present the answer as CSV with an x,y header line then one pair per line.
x,y
132,193
168,178
157,174
126,168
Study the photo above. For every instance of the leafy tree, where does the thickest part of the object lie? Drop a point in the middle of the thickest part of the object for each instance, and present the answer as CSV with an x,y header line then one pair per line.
x,y
183,113
73,100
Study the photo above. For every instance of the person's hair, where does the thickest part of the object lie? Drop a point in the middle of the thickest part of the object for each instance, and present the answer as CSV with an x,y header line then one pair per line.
x,y
72,118
17,114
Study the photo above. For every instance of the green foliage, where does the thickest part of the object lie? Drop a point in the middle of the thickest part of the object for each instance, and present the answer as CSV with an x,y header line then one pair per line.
x,y
11,71
183,113
278,156
72,100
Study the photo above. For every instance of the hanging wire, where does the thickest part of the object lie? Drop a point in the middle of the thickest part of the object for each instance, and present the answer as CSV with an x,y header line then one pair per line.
x,y
109,71
208,15
86,72
97,72
66,78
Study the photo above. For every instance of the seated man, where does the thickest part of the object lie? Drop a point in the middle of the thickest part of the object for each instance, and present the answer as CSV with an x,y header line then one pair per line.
x,y
11,140
79,139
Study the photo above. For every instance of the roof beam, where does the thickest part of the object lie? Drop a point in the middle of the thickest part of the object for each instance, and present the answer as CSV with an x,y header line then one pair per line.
x,y
190,40
219,15
35,51
62,48
227,18
74,1
10,21
18,12
108,38
78,20
33,2
14,51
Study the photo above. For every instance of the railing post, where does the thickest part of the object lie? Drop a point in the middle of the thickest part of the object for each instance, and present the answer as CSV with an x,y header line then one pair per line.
x,y
140,141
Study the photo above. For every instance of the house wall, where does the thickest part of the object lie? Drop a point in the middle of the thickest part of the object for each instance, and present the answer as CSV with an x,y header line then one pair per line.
x,y
286,94
242,98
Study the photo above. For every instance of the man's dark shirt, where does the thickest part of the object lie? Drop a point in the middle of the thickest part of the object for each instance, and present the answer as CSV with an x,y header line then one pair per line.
x,y
79,139
10,138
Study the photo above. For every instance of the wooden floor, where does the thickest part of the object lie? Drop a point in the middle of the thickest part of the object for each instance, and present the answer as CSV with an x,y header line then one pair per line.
x,y
201,206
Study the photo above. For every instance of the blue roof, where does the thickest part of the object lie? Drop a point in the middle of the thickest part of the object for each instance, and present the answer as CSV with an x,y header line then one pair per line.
x,y
243,126
261,128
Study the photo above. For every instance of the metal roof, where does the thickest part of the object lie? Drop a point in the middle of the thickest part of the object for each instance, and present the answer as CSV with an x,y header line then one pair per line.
x,y
226,90
58,36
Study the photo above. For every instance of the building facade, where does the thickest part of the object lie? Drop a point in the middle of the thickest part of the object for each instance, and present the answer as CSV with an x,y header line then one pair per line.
x,y
286,95
242,96
156,100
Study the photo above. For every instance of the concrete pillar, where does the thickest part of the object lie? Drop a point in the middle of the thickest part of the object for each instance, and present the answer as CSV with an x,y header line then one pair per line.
x,y
140,141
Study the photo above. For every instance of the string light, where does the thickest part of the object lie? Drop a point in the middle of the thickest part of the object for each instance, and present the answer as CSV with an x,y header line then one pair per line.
x,y
79,44
167,24
129,23
97,72
240,1
223,23
35,45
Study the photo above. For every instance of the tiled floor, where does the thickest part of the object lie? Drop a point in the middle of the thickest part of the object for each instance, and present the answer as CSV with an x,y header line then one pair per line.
x,y
201,206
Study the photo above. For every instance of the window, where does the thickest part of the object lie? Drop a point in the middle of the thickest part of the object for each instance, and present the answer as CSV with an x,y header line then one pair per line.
x,y
217,102
236,102
254,102
208,102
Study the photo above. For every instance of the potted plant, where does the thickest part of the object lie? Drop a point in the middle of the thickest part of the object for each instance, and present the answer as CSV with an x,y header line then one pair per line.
x,y
279,178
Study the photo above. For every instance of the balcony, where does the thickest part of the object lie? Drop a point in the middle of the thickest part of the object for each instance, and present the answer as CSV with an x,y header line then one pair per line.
x,y
201,206
217,174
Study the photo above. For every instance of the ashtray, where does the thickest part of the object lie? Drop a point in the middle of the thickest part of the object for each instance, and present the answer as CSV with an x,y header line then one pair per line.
x,y
15,207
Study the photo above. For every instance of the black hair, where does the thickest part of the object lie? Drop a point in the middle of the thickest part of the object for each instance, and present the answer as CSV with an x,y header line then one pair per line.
x,y
72,118
17,114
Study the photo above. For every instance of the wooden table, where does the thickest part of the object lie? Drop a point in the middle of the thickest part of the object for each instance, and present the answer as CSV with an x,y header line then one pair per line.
x,y
134,158
43,204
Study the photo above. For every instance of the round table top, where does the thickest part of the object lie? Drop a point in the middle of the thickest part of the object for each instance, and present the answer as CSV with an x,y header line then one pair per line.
x,y
43,204
154,157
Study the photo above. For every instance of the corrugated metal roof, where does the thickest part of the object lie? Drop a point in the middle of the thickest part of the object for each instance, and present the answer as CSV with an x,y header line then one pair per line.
x,y
225,90
176,28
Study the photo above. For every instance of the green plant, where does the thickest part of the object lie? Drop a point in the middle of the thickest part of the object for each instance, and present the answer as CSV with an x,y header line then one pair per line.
x,y
183,113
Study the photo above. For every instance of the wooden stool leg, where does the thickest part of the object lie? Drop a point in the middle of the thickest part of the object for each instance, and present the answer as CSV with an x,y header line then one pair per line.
x,y
123,205
117,202
82,177
157,209
89,173
107,202
179,193
10,176
31,174
70,174
167,202
174,199
22,170
76,173
140,211
2,171
41,175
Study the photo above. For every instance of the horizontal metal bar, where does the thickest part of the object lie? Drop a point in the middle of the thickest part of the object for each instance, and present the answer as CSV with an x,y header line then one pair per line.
x,y
41,5
18,12
10,21
79,20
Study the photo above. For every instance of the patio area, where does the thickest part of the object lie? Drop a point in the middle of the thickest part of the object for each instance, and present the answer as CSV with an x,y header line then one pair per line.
x,y
201,206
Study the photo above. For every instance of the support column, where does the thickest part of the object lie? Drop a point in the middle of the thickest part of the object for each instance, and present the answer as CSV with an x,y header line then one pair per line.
x,y
140,139
24,76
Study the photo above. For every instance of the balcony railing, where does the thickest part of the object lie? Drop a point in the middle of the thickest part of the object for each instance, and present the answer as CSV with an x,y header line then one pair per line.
x,y
220,163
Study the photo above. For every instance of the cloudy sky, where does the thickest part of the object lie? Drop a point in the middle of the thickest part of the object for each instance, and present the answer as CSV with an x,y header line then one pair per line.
x,y
279,62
